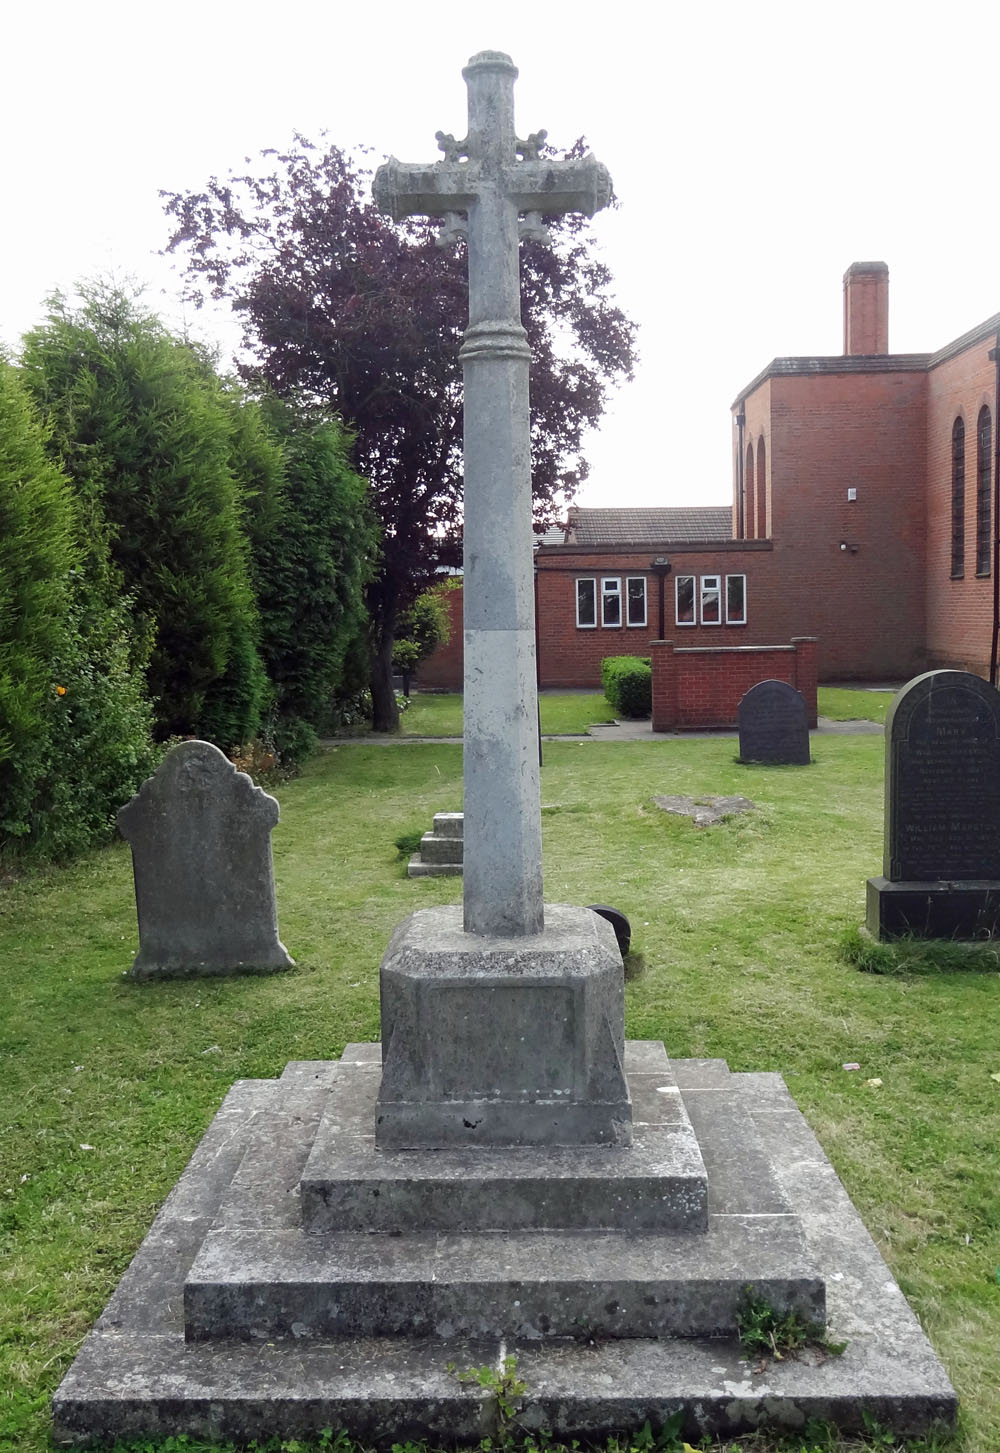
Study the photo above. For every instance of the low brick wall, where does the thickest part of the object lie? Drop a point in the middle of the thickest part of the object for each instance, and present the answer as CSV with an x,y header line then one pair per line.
x,y
701,686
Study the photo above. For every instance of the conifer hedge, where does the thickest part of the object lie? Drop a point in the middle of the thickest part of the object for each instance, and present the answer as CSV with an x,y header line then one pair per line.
x,y
176,558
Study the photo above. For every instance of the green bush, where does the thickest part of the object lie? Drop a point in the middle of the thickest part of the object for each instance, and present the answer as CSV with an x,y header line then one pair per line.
x,y
628,684
74,716
37,556
143,428
311,567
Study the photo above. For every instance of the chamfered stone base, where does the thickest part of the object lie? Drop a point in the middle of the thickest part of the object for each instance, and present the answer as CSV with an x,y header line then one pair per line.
x,y
502,1041
961,910
137,1375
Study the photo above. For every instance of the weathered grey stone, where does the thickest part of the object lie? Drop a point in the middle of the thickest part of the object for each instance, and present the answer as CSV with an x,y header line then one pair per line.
x,y
262,1284
200,834
941,873
435,849
506,1041
706,811
773,725
741,1176
441,851
490,178
140,1381
448,824
657,1184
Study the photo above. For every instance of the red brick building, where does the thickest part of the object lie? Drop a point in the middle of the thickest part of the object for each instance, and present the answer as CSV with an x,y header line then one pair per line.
x,y
862,514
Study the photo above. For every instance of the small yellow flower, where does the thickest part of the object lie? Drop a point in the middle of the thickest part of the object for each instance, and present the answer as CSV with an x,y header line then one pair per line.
x,y
60,691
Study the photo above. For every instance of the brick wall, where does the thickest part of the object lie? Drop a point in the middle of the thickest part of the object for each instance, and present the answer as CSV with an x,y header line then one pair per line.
x,y
960,611
444,668
831,433
571,655
702,686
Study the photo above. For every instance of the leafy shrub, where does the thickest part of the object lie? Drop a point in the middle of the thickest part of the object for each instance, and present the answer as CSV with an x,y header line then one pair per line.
x,y
422,628
628,684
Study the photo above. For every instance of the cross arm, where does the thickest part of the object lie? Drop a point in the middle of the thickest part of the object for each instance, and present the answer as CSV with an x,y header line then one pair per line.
x,y
405,190
553,187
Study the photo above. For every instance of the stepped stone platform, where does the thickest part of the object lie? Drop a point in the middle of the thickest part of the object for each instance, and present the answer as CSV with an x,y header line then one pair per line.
x,y
442,851
297,1278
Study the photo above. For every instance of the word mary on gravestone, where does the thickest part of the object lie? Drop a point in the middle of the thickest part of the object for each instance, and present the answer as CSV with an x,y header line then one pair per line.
x,y
773,725
200,834
942,811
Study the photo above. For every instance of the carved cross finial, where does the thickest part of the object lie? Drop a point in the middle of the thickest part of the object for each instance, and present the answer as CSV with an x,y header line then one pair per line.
x,y
528,150
454,151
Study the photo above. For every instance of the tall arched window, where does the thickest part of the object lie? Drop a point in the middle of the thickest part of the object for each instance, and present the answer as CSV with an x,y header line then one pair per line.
x,y
984,451
761,489
751,493
958,499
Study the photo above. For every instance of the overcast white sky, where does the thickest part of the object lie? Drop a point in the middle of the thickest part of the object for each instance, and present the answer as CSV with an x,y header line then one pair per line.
x,y
757,151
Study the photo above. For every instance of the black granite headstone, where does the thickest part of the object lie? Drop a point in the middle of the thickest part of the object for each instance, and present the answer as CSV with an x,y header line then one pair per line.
x,y
773,725
618,921
942,780
941,869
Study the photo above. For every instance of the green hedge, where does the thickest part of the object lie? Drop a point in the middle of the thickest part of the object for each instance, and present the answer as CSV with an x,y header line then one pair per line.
x,y
628,684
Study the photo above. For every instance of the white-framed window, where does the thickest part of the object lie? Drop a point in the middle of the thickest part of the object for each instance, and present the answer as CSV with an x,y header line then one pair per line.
x,y
586,604
684,604
736,600
635,600
699,600
611,600
711,600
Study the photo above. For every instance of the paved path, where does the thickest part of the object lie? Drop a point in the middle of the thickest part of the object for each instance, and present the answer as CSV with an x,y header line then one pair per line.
x,y
619,731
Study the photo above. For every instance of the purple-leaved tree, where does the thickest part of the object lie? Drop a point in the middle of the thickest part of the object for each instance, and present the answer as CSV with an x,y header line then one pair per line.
x,y
342,306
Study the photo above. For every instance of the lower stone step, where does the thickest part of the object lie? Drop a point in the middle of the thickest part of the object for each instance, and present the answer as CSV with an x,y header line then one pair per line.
x,y
391,1389
268,1284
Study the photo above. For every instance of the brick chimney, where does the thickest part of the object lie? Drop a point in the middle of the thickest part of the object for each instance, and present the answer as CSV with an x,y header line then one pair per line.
x,y
866,308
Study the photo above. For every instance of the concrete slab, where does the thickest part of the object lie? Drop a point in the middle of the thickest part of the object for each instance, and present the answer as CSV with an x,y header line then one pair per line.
x,y
264,1284
658,1183
136,1374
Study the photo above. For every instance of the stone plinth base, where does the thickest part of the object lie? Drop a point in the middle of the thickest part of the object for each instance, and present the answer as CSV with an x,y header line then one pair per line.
x,y
502,1042
961,910
442,850
236,1321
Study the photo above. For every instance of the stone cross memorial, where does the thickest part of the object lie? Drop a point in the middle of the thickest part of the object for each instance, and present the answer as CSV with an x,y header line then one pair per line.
x,y
307,1274
460,995
200,834
773,725
941,872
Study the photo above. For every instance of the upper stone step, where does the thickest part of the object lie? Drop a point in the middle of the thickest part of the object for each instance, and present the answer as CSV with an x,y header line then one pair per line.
x,y
658,1183
449,824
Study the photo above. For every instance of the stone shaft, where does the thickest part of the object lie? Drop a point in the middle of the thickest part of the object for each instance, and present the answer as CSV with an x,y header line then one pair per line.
x,y
493,178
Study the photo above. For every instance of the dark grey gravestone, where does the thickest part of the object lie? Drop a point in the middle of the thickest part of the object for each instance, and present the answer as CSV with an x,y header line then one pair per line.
x,y
200,834
941,871
773,725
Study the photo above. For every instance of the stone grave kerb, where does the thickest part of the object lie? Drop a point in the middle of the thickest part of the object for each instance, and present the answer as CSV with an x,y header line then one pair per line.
x,y
545,983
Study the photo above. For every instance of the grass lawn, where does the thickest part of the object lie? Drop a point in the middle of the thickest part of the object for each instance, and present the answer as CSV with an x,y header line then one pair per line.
x,y
847,703
434,714
439,714
108,1084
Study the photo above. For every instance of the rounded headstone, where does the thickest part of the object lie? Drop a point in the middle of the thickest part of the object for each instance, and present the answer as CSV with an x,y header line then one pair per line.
x,y
618,921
